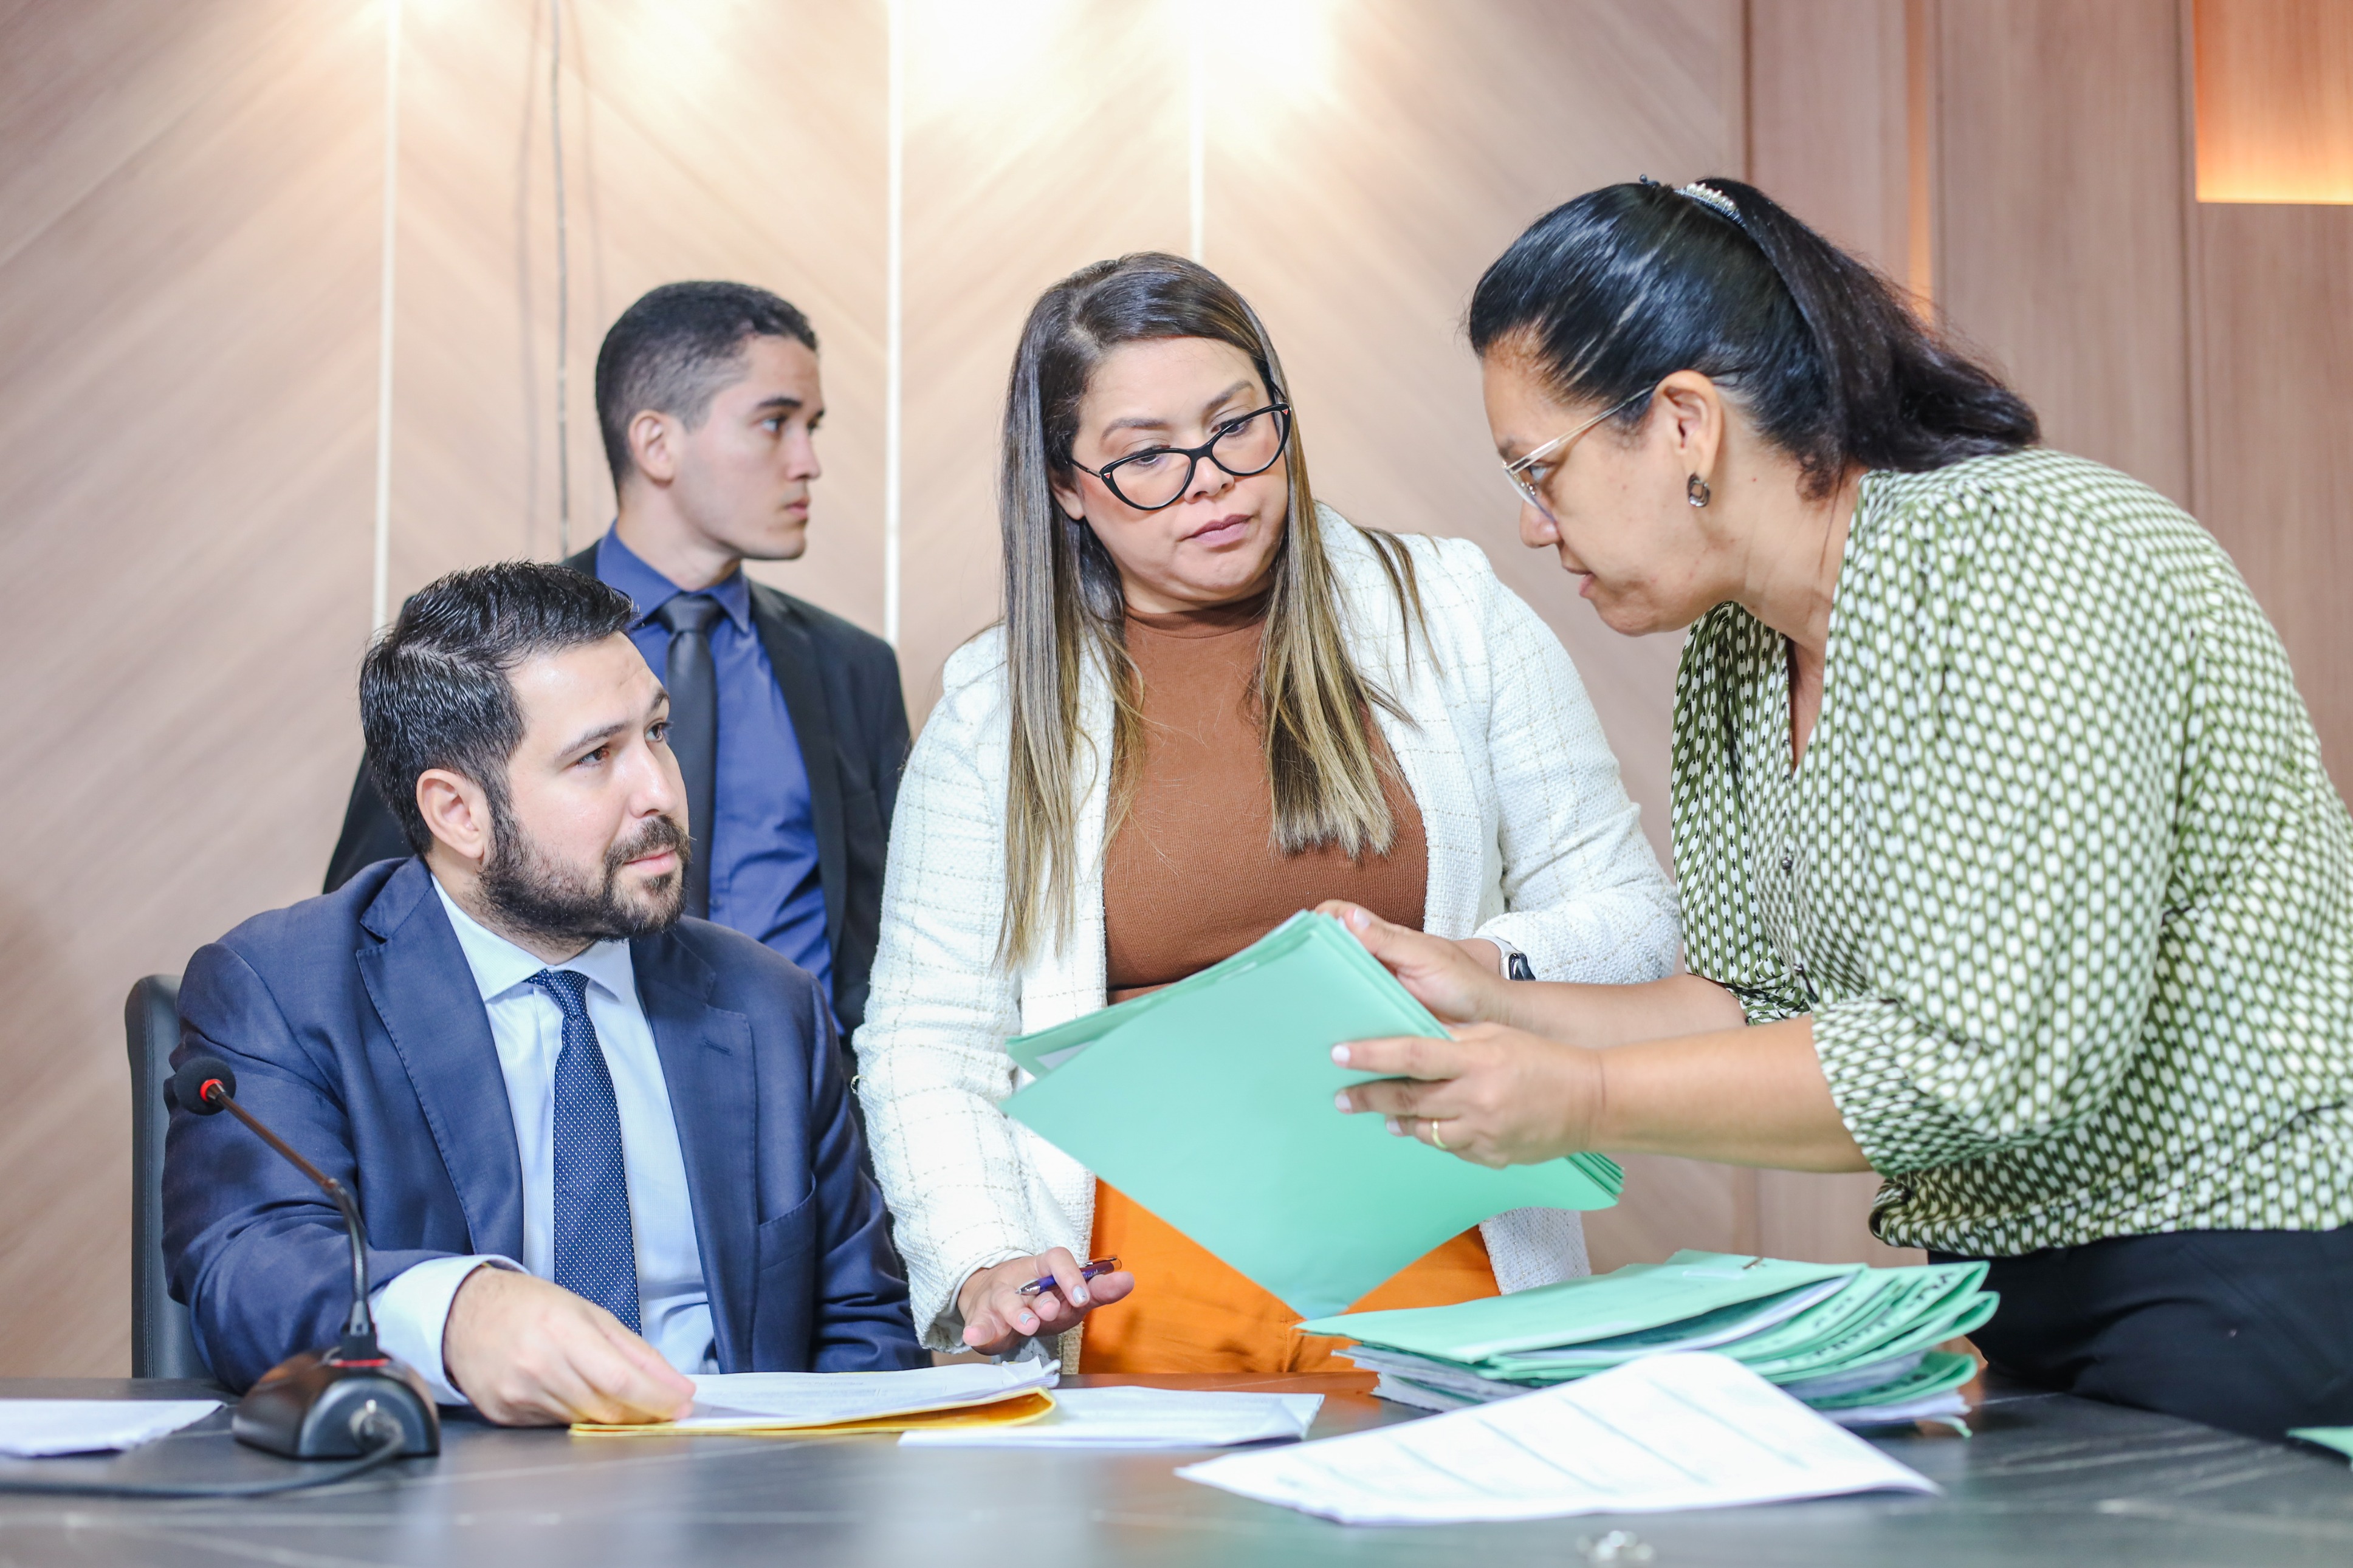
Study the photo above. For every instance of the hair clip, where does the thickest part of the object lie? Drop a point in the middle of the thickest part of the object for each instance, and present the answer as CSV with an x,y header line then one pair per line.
x,y
1708,196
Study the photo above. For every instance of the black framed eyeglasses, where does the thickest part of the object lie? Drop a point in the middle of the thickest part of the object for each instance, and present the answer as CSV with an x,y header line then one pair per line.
x,y
1158,476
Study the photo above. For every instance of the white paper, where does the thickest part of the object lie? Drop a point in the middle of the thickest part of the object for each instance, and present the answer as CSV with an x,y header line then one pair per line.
x,y
777,1399
1696,1430
1140,1418
34,1429
1949,1406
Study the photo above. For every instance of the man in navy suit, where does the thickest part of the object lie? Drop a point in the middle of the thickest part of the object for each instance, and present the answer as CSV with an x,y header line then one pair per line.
x,y
596,1145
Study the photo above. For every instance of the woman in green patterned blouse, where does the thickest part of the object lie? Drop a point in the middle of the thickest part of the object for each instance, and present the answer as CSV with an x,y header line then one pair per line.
x,y
2008,867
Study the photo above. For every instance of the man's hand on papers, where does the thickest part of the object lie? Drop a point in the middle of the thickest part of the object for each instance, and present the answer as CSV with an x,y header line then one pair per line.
x,y
997,1316
1461,982
1493,1095
528,1352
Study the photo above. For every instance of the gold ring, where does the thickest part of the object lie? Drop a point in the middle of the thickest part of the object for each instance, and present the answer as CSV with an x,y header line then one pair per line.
x,y
1437,1141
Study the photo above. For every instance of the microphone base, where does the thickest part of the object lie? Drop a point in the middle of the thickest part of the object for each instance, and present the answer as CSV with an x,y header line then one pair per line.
x,y
312,1407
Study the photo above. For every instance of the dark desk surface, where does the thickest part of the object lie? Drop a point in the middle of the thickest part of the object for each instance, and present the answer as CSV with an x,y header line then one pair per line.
x,y
2045,1480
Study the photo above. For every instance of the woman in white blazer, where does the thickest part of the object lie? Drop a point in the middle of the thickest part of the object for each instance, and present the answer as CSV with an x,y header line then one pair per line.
x,y
1397,717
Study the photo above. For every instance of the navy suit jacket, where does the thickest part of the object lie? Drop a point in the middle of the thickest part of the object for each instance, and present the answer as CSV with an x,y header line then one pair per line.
x,y
357,1034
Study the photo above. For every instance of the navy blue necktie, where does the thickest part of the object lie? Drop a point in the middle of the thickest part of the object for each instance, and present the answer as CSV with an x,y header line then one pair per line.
x,y
595,1250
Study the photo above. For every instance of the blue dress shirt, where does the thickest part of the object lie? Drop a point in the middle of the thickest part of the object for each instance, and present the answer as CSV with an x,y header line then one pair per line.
x,y
674,1304
764,854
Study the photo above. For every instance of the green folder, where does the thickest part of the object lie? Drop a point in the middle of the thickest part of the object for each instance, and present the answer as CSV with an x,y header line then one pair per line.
x,y
1930,1304
1938,1371
1575,1311
1209,1102
2337,1438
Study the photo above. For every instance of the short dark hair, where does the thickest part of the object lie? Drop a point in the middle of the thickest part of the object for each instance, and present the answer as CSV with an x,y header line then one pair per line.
x,y
675,348
1614,291
436,688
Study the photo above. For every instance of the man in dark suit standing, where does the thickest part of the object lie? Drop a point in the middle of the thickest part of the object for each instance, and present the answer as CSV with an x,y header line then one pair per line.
x,y
596,1145
788,721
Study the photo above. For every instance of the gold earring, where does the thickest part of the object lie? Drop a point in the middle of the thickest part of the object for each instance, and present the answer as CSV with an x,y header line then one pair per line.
x,y
1696,492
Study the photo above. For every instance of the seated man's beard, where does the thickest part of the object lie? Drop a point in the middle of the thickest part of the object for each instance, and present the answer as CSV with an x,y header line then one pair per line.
x,y
561,904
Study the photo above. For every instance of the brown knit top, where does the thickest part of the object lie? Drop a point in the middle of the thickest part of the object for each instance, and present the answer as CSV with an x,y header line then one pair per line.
x,y
1191,874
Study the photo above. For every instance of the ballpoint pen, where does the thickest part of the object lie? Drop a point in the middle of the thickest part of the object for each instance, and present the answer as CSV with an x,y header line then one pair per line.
x,y
1100,1266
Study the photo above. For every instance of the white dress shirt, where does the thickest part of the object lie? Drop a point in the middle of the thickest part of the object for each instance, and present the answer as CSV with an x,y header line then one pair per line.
x,y
527,1027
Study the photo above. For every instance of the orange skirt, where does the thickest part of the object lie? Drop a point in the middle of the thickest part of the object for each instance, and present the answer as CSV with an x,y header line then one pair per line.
x,y
1192,1313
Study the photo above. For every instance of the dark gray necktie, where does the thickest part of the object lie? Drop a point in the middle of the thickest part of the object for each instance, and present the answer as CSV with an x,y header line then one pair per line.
x,y
693,682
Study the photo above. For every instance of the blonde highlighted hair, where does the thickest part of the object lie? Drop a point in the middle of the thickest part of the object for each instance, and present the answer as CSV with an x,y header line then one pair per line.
x,y
1064,607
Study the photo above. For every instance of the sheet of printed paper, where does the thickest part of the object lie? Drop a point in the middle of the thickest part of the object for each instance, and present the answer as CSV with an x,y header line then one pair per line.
x,y
1141,1418
822,1398
36,1428
1684,1431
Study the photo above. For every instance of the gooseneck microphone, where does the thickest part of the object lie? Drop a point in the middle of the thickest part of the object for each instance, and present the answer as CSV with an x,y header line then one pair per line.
x,y
352,1400
207,1085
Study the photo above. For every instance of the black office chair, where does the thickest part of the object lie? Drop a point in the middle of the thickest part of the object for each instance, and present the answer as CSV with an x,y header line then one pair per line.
x,y
161,1344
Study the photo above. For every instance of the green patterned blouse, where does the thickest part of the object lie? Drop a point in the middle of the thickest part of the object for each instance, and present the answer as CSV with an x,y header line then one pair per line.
x,y
2061,878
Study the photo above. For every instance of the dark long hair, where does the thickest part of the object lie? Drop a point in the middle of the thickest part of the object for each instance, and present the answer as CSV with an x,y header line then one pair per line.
x,y
1064,607
1622,287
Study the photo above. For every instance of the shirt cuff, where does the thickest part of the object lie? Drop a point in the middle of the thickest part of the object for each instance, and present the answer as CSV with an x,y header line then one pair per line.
x,y
1866,1049
412,1310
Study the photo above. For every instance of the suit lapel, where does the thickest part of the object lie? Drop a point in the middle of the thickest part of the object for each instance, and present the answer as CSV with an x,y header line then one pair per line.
x,y
706,1061
791,653
417,977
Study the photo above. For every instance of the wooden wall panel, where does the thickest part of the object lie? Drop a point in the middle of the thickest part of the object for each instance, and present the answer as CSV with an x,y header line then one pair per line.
x,y
1041,136
2274,101
2276,459
1830,120
2060,217
187,292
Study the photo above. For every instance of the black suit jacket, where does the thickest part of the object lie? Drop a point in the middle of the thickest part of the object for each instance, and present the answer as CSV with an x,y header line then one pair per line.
x,y
841,687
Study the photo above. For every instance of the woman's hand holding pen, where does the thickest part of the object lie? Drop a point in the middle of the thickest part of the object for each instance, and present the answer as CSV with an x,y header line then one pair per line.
x,y
998,1314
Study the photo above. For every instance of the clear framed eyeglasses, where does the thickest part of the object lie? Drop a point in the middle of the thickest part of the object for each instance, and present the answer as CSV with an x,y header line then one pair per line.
x,y
1522,472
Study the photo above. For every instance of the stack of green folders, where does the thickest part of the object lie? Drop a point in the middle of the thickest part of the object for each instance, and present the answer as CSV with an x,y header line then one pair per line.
x,y
1858,1344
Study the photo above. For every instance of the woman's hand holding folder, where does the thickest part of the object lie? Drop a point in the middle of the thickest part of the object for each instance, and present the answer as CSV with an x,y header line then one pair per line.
x,y
1536,1070
1460,981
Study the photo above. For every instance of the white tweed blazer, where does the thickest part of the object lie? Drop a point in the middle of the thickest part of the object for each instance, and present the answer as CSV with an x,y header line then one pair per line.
x,y
1532,840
